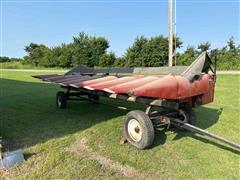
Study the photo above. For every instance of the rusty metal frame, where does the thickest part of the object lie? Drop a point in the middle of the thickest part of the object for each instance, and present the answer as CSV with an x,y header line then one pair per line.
x,y
173,104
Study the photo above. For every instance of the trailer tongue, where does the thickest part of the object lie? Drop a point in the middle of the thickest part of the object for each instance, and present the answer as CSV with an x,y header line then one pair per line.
x,y
203,132
176,94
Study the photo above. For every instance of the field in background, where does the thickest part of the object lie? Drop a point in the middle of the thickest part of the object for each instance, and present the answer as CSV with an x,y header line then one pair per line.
x,y
19,65
82,141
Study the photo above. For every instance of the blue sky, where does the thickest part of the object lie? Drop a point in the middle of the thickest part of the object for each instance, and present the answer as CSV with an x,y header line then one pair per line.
x,y
55,22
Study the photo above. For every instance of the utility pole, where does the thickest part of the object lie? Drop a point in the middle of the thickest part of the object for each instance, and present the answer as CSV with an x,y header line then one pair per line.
x,y
175,32
170,35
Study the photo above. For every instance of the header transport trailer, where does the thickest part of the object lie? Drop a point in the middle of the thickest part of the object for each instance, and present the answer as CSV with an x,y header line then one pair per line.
x,y
176,94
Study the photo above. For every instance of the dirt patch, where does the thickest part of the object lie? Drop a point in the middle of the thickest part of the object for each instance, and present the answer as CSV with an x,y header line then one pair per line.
x,y
2,172
81,149
167,146
6,174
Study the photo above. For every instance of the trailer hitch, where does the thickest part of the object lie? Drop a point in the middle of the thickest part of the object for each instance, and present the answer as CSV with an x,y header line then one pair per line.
x,y
200,131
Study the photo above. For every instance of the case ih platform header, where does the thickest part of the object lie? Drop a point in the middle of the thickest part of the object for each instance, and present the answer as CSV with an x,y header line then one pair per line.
x,y
176,94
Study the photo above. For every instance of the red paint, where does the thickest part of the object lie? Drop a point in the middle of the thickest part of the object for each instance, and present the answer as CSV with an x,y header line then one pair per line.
x,y
170,87
94,81
167,87
128,86
107,84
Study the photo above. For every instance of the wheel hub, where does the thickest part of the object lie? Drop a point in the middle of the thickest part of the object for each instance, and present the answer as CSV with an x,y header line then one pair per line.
x,y
135,130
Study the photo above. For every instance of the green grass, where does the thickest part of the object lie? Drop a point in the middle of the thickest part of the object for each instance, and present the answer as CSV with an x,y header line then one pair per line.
x,y
30,120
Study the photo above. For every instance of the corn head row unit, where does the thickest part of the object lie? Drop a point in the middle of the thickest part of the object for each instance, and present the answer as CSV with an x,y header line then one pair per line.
x,y
176,94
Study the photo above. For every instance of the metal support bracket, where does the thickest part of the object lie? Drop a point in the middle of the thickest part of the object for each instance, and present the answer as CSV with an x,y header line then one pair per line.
x,y
148,110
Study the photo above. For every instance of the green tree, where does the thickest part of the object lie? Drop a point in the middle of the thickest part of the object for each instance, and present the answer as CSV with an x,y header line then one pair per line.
x,y
98,47
8,59
188,56
145,52
65,56
87,50
120,62
228,57
80,49
232,45
134,55
107,60
84,49
204,47
37,54
148,52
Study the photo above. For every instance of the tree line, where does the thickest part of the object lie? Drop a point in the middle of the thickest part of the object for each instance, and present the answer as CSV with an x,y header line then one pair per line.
x,y
144,52
8,59
228,56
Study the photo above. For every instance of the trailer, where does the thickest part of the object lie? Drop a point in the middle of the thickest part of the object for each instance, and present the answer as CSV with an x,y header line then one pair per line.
x,y
176,93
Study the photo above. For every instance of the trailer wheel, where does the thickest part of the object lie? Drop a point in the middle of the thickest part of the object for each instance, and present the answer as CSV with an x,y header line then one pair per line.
x,y
61,100
187,115
138,129
93,98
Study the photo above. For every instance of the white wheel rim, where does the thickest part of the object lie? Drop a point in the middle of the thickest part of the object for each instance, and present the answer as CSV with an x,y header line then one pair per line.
x,y
135,130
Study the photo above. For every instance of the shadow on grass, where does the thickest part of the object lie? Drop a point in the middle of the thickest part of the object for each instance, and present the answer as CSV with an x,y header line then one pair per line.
x,y
28,114
159,138
28,155
206,117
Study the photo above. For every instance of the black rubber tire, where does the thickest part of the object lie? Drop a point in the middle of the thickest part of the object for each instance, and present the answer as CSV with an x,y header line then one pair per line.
x,y
187,115
144,121
61,100
93,98
191,119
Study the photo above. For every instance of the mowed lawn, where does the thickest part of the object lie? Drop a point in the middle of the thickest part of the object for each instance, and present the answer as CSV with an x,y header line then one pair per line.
x,y
82,141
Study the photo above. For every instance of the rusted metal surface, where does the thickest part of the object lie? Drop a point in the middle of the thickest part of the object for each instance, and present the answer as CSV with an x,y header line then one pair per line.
x,y
166,87
66,79
46,76
209,96
79,80
84,70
